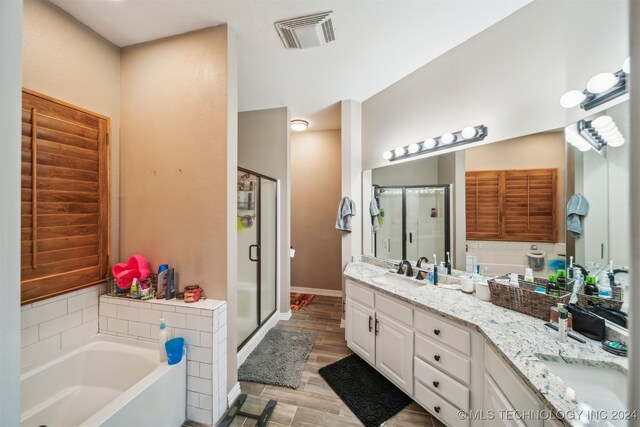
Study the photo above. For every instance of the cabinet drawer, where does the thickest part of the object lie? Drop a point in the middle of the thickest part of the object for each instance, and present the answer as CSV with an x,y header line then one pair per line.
x,y
442,384
443,359
394,310
437,406
444,332
359,293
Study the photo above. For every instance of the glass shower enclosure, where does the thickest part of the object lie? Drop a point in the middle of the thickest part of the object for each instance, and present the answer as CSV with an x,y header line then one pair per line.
x,y
414,222
257,252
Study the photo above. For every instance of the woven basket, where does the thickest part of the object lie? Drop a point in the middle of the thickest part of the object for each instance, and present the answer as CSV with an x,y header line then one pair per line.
x,y
525,299
583,300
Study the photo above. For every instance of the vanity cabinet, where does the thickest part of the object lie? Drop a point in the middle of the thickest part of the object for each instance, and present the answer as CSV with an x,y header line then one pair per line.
x,y
380,331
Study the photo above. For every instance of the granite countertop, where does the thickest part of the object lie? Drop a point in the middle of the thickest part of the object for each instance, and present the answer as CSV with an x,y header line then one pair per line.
x,y
524,342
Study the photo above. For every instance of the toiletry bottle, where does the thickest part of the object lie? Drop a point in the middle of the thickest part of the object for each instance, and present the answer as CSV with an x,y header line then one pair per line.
x,y
435,270
448,263
570,272
442,269
563,319
591,288
528,275
135,285
163,272
562,280
162,338
552,286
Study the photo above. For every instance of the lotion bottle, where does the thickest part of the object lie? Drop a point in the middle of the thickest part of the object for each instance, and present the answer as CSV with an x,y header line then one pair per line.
x,y
563,320
162,338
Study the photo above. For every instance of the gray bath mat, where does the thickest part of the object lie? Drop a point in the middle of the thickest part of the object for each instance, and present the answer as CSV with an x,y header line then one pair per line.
x,y
279,358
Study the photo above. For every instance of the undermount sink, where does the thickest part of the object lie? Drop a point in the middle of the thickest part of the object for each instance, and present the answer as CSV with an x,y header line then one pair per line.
x,y
605,389
396,281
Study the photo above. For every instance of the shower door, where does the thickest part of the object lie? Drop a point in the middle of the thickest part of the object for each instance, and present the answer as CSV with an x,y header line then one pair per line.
x,y
414,222
257,252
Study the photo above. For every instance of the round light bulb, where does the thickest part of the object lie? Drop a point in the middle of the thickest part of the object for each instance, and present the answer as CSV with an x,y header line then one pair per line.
x,y
400,151
615,142
626,65
602,82
573,98
584,147
429,143
387,155
469,132
602,122
447,138
414,148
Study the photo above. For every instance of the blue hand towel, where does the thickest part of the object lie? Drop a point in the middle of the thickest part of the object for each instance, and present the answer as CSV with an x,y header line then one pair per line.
x,y
577,208
374,211
346,209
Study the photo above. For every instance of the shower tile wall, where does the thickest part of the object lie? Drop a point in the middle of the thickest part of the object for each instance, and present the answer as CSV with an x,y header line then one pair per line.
x,y
204,328
513,254
58,323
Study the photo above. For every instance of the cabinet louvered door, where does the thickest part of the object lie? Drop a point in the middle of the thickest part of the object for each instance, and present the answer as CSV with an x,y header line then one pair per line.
x,y
65,211
529,205
483,205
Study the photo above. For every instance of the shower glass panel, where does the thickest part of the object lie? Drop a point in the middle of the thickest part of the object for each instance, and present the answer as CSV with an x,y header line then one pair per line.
x,y
257,252
388,238
414,222
268,251
425,224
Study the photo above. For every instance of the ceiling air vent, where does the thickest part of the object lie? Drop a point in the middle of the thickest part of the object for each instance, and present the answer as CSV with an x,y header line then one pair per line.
x,y
306,31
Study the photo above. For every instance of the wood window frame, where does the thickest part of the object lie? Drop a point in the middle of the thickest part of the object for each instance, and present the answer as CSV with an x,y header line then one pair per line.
x,y
55,280
489,222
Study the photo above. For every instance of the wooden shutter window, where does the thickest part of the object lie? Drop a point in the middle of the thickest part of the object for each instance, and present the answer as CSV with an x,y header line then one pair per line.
x,y
65,197
512,205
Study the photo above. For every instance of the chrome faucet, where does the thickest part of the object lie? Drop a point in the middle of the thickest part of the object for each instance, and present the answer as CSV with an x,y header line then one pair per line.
x,y
401,270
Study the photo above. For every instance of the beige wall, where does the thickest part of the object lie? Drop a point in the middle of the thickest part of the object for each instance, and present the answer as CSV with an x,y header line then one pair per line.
x,y
264,147
64,59
315,193
174,156
542,150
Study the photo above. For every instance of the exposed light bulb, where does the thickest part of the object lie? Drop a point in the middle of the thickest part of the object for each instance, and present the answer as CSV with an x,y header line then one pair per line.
x,y
616,142
602,122
570,132
469,132
602,82
387,155
400,151
414,148
584,147
626,65
447,138
573,98
429,143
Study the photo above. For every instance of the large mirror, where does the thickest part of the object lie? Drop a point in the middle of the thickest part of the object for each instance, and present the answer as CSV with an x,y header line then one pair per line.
x,y
502,207
597,200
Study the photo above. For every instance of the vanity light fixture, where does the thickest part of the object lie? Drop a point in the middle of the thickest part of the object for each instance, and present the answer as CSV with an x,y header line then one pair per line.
x,y
597,134
299,125
465,136
601,88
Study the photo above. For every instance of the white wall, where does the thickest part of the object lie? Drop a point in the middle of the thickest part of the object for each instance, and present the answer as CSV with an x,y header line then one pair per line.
x,y
10,102
351,130
509,77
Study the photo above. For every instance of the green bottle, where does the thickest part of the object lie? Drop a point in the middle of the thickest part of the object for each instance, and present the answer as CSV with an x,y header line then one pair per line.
x,y
552,286
562,280
590,288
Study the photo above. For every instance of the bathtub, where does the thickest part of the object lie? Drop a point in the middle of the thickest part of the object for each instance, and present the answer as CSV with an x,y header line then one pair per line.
x,y
109,381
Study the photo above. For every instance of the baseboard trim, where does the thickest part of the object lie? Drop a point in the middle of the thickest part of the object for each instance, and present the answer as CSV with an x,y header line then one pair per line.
x,y
315,291
233,394
285,316
255,340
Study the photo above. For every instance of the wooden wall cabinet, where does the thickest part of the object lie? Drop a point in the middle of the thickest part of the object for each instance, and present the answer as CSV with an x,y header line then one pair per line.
x,y
65,197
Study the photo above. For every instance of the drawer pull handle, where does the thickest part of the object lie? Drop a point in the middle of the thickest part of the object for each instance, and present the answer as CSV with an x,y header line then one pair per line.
x,y
437,409
437,357
436,384
436,331
377,328
370,323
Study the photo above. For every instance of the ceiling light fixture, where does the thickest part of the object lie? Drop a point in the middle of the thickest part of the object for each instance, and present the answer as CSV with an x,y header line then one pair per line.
x,y
299,125
465,136
601,88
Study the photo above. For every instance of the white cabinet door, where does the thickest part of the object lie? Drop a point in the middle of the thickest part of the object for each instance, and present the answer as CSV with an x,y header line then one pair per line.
x,y
394,351
359,329
497,407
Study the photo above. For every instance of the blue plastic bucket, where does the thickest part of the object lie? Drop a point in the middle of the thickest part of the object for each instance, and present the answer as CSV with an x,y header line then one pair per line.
x,y
174,349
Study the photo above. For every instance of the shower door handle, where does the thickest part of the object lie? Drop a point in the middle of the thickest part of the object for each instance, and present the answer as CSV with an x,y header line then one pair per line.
x,y
410,237
257,258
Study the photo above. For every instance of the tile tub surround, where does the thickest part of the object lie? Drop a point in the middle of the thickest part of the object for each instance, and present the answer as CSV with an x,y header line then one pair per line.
x,y
522,341
512,254
203,325
58,323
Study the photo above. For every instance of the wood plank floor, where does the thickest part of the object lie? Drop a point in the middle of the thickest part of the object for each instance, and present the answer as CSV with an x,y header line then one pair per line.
x,y
314,403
